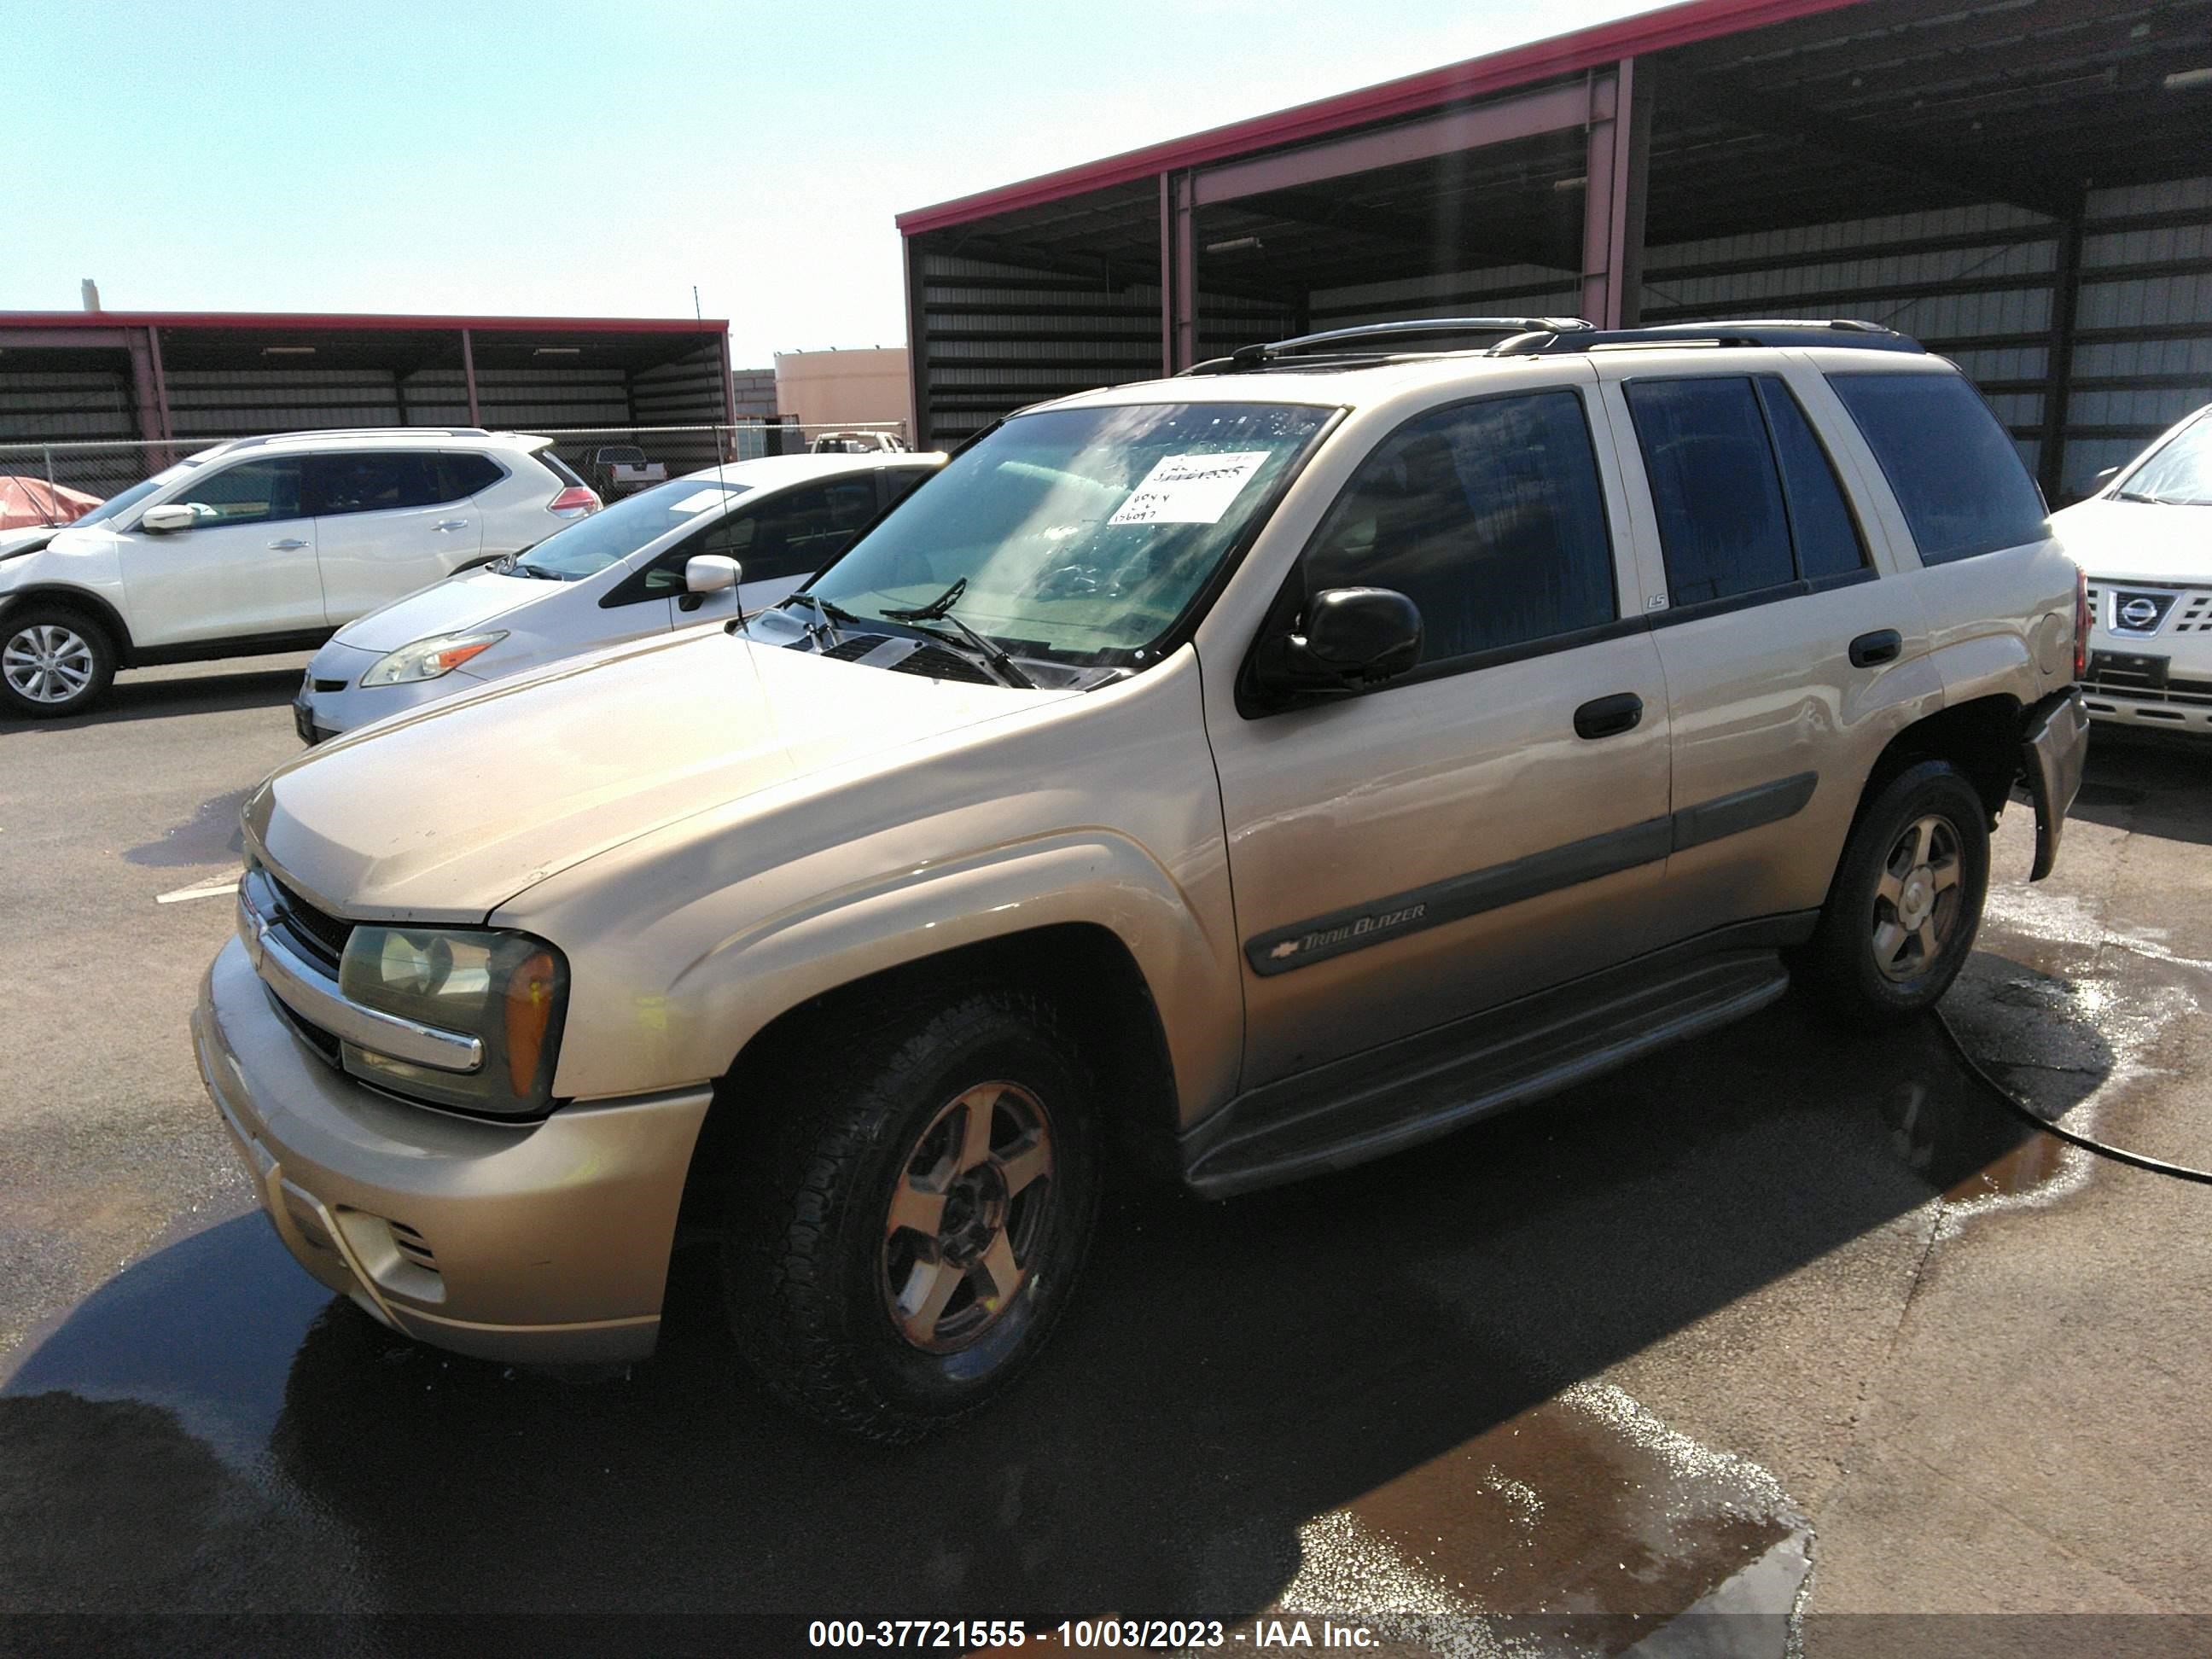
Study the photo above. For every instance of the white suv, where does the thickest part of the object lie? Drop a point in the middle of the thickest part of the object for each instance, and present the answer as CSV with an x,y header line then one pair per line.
x,y
265,544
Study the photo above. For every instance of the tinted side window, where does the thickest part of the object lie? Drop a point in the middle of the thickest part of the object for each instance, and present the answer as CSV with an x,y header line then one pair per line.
x,y
373,484
899,483
1722,529
665,577
1820,522
799,531
1489,516
460,476
252,493
1953,468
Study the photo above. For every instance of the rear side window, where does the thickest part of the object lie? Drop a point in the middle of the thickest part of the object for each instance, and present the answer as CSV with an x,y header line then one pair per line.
x,y
1748,502
1820,522
1724,529
374,484
559,468
463,475
1489,516
1953,468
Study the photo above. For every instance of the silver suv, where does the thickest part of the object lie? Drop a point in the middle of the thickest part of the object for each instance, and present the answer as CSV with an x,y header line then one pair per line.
x,y
1256,772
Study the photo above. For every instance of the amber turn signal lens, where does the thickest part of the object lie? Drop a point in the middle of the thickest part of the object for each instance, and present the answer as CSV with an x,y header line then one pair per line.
x,y
529,1010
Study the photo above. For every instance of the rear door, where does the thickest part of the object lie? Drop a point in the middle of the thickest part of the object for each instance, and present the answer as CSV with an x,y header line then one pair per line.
x,y
1495,821
388,522
246,568
1788,647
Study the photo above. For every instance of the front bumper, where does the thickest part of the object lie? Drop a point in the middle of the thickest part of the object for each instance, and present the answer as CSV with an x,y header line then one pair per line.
x,y
2158,676
538,1243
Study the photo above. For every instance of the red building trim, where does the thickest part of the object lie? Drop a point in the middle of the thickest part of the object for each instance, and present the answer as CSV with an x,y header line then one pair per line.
x,y
344,322
1501,71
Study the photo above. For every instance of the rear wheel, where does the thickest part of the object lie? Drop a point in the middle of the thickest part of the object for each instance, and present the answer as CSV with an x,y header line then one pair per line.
x,y
1906,901
52,662
911,1220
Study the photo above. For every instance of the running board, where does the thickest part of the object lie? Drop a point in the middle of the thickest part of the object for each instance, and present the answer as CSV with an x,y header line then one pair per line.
x,y
1370,1104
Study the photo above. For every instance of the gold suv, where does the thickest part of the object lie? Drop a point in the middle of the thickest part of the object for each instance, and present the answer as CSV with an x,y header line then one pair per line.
x,y
1262,770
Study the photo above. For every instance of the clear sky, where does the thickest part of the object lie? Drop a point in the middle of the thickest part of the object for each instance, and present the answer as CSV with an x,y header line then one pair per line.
x,y
599,159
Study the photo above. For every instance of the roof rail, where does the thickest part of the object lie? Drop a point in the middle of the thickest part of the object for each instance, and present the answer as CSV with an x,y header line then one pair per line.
x,y
1245,359
1776,331
316,433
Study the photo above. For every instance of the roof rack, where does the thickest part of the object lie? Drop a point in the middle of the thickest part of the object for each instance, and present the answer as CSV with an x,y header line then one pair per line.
x,y
358,432
1245,359
1779,331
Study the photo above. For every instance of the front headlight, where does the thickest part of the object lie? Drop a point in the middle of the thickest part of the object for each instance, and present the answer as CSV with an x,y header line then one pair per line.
x,y
426,659
506,990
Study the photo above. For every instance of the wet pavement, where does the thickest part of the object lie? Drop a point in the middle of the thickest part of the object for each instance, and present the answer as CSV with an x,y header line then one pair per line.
x,y
1727,1353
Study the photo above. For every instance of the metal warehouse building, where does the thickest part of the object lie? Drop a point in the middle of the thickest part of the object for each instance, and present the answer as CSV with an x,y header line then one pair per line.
x,y
2025,184
70,379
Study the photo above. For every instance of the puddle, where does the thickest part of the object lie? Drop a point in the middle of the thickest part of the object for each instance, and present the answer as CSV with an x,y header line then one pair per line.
x,y
1582,1525
211,836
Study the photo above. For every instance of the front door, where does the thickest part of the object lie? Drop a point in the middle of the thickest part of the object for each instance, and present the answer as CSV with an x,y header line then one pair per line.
x,y
387,523
246,568
1494,822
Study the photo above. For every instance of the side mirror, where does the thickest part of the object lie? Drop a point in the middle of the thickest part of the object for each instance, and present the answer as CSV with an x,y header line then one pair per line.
x,y
710,573
1348,639
2103,478
162,520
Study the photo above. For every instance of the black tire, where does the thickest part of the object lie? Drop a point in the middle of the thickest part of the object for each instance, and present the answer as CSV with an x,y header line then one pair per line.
x,y
43,648
812,1264
1879,893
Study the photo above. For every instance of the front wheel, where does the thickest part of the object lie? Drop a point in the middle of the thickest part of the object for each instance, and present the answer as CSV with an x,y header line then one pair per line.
x,y
52,662
910,1220
1906,901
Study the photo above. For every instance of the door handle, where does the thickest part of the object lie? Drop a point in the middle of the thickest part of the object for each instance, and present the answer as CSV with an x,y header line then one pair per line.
x,y
1607,717
1879,647
453,524
287,543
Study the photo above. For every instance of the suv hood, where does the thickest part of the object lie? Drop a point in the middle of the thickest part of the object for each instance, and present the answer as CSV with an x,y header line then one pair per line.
x,y
2137,540
451,606
445,815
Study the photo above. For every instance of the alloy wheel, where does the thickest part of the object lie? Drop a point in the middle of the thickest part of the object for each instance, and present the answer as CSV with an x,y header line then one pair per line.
x,y
1917,898
967,1217
47,662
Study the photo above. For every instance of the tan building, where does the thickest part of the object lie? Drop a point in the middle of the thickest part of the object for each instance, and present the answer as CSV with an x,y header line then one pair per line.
x,y
845,388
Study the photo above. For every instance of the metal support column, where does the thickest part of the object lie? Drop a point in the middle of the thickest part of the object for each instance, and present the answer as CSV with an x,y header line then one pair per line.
x,y
469,376
2065,307
1178,273
1619,168
917,345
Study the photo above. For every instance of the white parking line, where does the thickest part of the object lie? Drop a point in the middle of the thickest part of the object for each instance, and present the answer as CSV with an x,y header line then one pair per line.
x,y
216,889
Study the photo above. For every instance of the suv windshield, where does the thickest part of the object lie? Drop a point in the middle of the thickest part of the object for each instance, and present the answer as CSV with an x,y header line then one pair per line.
x,y
1078,534
590,545
2180,475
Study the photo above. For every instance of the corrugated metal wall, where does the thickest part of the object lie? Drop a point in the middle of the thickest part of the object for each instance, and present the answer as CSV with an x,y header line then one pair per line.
x,y
60,407
2142,357
998,337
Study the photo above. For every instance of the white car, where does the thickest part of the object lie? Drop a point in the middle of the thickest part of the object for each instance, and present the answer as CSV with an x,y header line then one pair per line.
x,y
698,550
265,544
2144,541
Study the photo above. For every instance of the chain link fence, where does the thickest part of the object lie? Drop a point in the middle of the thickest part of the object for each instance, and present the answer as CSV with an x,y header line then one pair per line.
x,y
613,459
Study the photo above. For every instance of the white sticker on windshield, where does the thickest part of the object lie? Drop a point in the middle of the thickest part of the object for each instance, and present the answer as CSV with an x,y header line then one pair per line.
x,y
1189,488
699,501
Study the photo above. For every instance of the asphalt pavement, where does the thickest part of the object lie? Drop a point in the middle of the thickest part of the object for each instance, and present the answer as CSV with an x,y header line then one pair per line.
x,y
1784,1340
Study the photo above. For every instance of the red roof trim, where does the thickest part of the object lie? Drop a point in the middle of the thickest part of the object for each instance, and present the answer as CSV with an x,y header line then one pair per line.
x,y
344,322
1606,43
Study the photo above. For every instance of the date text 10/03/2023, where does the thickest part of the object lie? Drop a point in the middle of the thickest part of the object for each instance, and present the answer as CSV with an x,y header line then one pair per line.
x,y
1261,1635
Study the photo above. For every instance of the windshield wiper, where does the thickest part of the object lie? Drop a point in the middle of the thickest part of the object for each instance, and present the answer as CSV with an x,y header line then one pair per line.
x,y
2137,495
831,615
940,609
